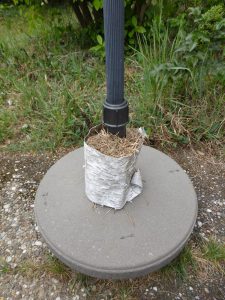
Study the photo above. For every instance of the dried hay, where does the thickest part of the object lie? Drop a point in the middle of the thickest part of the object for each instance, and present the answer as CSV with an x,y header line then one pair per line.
x,y
113,145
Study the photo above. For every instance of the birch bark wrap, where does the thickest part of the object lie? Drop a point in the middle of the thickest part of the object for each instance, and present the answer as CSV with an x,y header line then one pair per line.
x,y
111,181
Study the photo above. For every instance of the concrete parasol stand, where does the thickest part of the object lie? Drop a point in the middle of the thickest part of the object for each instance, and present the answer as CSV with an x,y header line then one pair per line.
x,y
143,236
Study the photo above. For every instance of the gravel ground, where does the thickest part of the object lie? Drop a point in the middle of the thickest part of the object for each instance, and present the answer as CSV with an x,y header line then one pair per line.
x,y
28,271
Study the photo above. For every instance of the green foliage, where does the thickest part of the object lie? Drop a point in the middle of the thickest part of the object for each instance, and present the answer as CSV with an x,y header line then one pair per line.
x,y
4,267
181,74
100,47
51,90
214,251
47,80
181,266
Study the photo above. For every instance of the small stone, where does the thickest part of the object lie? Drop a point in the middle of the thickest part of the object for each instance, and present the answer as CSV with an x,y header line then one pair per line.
x,y
38,243
6,206
54,280
190,288
23,247
58,298
25,126
207,291
155,289
199,224
9,102
94,288
76,297
8,259
209,210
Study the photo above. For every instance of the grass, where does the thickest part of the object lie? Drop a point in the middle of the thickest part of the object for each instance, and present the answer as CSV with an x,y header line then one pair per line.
x,y
214,251
51,93
4,267
51,89
45,80
181,266
50,266
179,102
199,260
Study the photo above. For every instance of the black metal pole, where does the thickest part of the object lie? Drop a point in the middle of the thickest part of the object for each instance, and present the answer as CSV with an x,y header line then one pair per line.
x,y
115,109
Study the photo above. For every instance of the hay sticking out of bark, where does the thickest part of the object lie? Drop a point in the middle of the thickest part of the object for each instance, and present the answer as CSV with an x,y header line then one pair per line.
x,y
113,145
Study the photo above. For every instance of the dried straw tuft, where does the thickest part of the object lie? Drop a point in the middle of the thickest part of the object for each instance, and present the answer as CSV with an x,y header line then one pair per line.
x,y
113,145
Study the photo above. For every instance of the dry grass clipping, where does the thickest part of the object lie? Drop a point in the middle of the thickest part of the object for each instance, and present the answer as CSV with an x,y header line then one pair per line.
x,y
113,145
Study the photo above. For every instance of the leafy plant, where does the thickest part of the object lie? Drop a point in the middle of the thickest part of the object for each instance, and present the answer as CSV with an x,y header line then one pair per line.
x,y
100,47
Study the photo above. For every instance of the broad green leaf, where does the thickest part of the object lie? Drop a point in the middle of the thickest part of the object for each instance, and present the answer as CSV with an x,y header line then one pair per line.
x,y
99,39
134,21
140,29
97,4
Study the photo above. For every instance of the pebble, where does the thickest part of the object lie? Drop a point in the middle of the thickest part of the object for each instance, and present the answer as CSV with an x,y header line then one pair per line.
x,y
190,288
207,291
199,224
38,243
94,288
8,259
155,289
55,281
6,206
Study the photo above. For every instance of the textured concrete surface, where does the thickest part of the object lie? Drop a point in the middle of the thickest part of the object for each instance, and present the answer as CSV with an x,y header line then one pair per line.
x,y
98,241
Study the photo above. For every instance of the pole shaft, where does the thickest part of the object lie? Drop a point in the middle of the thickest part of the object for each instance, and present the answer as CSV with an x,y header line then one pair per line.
x,y
114,41
115,113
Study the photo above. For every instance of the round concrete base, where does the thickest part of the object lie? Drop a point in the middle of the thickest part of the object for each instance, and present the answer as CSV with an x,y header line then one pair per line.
x,y
101,242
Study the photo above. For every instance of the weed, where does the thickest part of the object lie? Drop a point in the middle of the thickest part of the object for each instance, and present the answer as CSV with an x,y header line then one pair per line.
x,y
125,293
50,265
51,90
181,266
4,267
214,251
178,101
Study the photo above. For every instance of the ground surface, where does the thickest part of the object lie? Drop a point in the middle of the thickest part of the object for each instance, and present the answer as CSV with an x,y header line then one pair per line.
x,y
28,271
